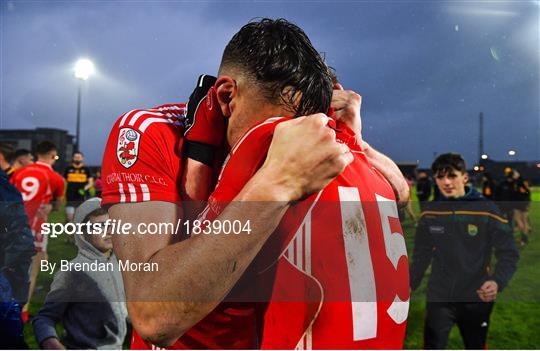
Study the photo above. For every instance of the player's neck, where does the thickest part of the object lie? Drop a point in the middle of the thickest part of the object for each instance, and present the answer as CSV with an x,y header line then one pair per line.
x,y
43,162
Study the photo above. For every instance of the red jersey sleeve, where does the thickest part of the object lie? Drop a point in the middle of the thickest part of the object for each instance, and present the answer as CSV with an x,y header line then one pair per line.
x,y
142,158
57,185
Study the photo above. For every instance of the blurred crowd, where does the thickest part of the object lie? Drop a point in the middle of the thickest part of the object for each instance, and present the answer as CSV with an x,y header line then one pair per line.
x,y
511,193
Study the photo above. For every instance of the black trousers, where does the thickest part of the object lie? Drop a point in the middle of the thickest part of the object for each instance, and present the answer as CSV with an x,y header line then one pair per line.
x,y
472,320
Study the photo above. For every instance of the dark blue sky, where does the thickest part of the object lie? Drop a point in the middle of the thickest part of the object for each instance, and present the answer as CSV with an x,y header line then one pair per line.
x,y
425,69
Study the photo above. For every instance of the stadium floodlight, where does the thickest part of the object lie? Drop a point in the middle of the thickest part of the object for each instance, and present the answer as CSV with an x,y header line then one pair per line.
x,y
84,68
476,168
484,157
511,152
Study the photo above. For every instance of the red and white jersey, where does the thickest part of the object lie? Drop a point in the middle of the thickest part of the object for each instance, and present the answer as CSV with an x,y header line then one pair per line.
x,y
142,158
38,184
142,162
337,263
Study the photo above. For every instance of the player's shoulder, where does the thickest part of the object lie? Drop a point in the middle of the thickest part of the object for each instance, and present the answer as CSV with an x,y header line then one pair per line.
x,y
162,116
25,171
57,176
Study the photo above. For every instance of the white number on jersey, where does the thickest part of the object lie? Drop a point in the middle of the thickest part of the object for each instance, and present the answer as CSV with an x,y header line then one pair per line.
x,y
30,187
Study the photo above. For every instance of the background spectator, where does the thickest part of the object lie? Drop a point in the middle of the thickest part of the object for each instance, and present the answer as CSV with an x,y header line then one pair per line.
x,y
16,251
79,181
6,154
39,184
488,186
522,194
458,238
423,189
89,304
21,158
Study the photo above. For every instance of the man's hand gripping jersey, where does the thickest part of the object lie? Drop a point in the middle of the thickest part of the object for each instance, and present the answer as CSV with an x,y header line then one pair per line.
x,y
205,124
335,271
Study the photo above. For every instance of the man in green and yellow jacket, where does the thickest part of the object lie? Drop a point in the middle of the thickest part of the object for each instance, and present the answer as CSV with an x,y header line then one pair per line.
x,y
457,234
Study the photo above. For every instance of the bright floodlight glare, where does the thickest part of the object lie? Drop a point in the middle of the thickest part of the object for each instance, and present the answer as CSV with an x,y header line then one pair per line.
x,y
484,157
83,69
476,168
511,152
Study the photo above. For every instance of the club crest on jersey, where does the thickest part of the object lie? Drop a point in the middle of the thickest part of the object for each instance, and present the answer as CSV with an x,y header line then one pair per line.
x,y
127,148
472,229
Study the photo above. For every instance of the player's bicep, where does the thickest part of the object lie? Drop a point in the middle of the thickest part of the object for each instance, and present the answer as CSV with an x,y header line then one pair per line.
x,y
151,226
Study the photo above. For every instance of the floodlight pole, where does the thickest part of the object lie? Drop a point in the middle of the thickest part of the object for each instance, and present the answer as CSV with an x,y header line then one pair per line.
x,y
78,132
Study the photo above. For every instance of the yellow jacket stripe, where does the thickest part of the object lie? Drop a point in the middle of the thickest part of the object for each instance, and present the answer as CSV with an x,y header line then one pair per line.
x,y
474,213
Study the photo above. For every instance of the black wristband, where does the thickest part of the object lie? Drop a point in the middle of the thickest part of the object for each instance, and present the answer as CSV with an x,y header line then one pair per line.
x,y
203,153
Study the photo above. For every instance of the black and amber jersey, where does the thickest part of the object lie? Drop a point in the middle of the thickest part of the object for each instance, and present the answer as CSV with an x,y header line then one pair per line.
x,y
76,177
9,171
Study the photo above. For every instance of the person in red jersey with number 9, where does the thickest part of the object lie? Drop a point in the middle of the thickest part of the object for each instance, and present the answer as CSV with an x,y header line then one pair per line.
x,y
39,184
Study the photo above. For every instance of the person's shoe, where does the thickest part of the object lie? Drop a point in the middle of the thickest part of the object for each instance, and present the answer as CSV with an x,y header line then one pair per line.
x,y
524,239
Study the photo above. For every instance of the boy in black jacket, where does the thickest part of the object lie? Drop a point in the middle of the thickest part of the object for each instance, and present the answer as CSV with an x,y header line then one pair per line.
x,y
457,234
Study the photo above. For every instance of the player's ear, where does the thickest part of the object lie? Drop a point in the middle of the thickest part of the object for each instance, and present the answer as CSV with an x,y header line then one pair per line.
x,y
466,177
226,90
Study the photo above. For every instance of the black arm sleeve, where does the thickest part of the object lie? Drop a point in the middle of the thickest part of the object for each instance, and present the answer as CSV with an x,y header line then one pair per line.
x,y
506,252
421,258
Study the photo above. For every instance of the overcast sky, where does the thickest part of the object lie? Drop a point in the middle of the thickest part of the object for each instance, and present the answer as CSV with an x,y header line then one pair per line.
x,y
425,69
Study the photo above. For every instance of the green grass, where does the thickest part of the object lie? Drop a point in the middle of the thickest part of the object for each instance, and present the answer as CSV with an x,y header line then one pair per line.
x,y
514,322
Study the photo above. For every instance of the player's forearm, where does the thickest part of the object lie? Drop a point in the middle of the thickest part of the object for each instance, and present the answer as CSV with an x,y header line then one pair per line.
x,y
201,271
57,203
390,171
197,186
89,184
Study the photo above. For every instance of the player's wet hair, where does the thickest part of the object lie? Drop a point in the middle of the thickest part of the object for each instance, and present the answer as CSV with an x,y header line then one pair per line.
x,y
448,163
278,56
45,147
7,151
21,152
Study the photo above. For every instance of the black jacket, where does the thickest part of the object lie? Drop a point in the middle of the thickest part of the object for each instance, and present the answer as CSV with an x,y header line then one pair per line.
x,y
458,236
16,241
423,189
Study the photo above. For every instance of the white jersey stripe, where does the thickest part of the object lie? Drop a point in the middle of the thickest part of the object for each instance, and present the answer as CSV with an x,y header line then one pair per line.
x,y
145,192
290,252
122,194
307,228
125,117
132,193
142,113
299,250
149,121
